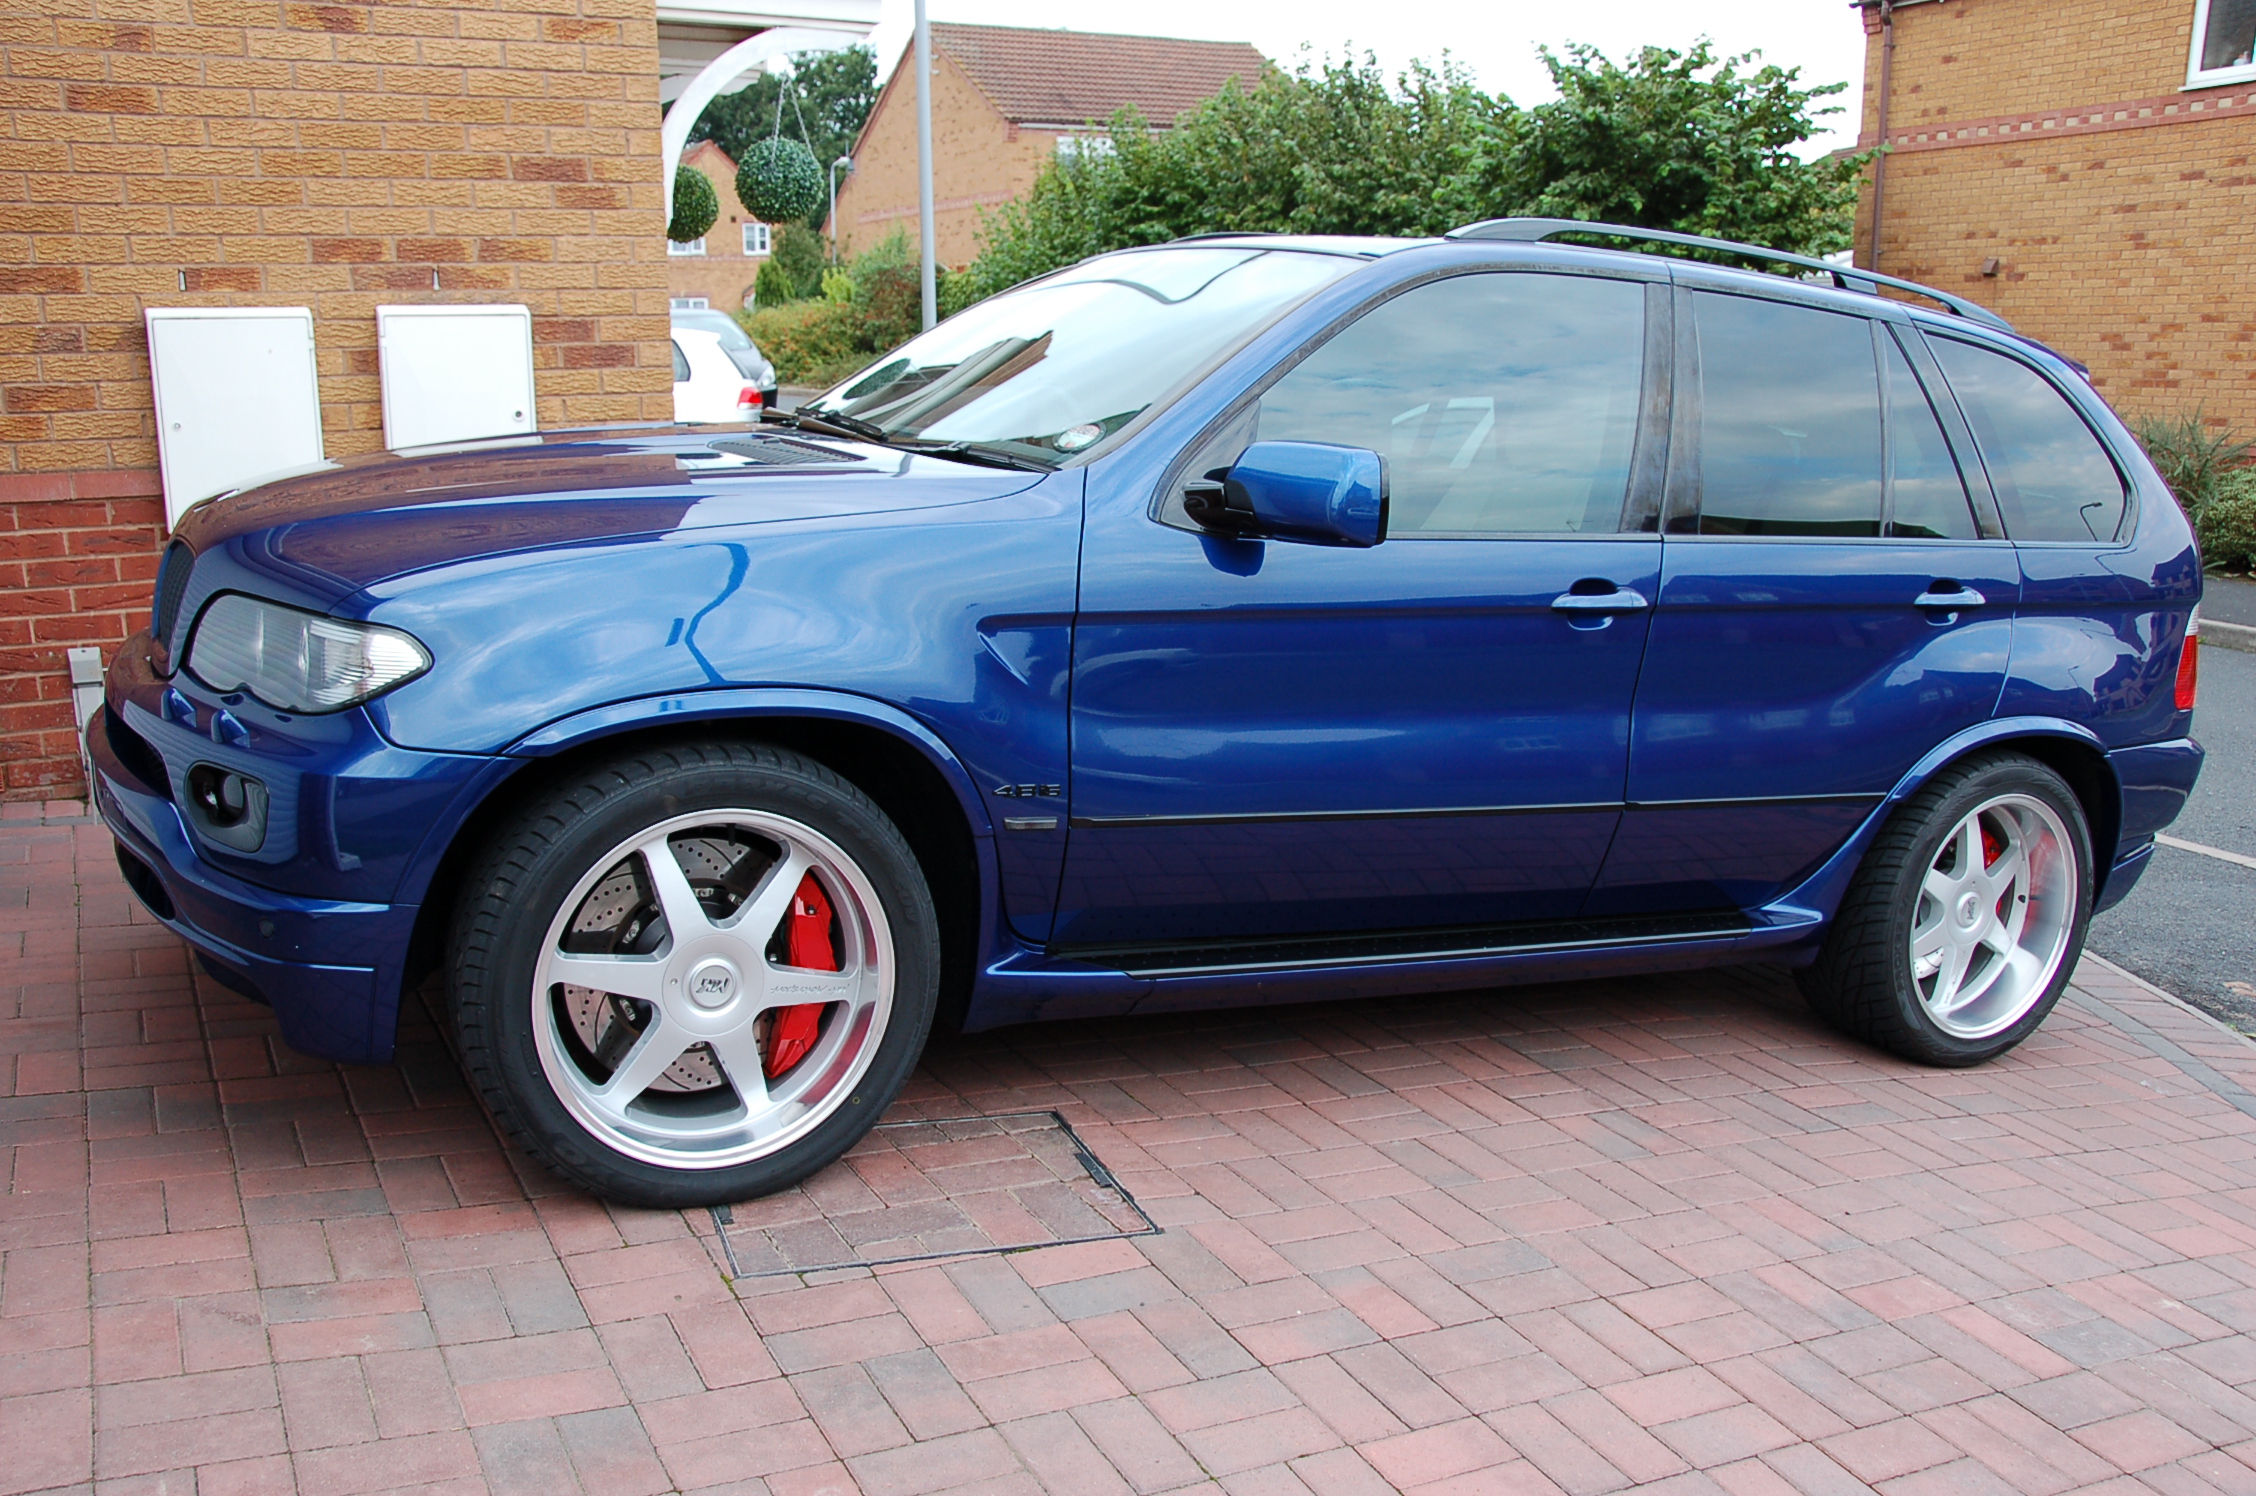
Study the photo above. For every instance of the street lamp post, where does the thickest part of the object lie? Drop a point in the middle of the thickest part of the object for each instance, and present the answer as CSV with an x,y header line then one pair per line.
x,y
832,220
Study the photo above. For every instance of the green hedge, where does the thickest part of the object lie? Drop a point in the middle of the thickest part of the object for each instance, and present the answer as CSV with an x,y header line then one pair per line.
x,y
873,306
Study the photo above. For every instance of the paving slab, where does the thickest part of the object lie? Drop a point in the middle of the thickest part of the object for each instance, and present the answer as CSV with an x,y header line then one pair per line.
x,y
1567,1238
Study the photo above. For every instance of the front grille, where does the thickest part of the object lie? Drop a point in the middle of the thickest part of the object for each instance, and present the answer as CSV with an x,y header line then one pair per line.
x,y
172,587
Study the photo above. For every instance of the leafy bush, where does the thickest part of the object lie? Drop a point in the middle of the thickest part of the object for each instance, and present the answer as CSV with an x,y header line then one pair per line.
x,y
2228,524
793,270
1676,140
696,206
778,181
2207,467
863,308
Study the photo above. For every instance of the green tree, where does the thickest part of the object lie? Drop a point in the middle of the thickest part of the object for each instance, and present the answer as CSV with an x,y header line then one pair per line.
x,y
1671,140
832,92
1684,141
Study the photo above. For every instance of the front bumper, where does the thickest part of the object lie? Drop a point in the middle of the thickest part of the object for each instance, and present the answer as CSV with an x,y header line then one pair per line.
x,y
343,1006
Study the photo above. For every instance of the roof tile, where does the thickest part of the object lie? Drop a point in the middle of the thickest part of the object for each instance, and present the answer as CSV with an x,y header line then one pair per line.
x,y
1075,77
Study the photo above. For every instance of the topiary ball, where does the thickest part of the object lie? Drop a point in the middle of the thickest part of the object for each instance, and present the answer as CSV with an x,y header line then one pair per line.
x,y
696,205
778,181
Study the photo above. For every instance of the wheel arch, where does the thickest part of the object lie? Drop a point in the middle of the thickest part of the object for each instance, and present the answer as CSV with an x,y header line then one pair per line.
x,y
2068,749
895,760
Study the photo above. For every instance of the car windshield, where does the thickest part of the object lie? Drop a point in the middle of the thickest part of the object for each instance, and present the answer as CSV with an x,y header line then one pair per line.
x,y
733,337
1053,368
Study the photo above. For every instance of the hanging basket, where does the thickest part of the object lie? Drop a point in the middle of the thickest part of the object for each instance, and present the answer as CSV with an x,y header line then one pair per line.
x,y
696,205
779,182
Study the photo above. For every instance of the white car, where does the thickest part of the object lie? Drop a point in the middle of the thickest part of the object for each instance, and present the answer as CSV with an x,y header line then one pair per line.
x,y
707,384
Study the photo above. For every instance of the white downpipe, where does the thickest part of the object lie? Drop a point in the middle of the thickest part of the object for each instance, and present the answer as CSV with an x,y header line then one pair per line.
x,y
713,81
928,275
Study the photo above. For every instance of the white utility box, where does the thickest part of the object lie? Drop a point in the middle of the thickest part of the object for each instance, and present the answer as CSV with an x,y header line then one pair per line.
x,y
237,397
455,373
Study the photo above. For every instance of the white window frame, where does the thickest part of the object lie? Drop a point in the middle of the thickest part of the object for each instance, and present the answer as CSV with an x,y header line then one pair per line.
x,y
689,304
2196,76
757,234
693,247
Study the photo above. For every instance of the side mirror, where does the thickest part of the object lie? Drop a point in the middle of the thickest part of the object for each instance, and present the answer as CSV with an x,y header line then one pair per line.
x,y
1306,491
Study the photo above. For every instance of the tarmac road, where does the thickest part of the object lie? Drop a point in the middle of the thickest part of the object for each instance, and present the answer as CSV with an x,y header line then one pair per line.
x,y
2190,925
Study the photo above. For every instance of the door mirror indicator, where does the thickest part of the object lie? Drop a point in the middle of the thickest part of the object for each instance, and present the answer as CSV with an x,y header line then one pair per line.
x,y
1311,492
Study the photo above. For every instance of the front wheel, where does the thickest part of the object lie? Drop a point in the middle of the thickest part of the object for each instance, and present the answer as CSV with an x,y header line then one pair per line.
x,y
694,975
1966,920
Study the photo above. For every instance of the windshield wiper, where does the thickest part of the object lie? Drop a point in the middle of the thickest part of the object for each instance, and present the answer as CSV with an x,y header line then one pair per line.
x,y
852,427
985,454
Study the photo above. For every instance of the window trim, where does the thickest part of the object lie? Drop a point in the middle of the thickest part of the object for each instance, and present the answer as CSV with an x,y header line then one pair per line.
x,y
2126,533
693,249
767,240
1649,443
2196,75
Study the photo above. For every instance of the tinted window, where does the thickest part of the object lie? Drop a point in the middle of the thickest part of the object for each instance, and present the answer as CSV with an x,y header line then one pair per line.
x,y
681,366
2053,479
1926,496
1789,420
1503,403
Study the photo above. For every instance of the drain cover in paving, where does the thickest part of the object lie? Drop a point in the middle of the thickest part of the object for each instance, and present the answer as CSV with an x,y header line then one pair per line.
x,y
911,1191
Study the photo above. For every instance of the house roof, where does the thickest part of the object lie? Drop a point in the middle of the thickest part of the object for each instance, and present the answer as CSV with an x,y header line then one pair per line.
x,y
1073,77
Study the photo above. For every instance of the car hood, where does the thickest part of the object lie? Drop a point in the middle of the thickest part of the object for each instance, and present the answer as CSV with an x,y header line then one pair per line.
x,y
350,524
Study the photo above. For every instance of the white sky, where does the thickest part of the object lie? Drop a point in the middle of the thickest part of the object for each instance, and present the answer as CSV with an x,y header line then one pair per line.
x,y
1497,41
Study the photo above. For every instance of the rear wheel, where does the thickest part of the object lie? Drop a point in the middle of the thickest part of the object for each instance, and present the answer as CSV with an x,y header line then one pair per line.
x,y
694,975
1965,922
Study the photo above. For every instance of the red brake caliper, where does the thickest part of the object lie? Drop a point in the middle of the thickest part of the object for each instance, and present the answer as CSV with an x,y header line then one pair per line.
x,y
809,947
1993,847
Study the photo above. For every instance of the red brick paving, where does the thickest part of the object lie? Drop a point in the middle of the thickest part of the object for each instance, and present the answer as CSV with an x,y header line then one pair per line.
x,y
1567,1239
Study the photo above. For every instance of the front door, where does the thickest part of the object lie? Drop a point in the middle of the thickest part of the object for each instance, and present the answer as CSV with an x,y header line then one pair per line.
x,y
1283,741
1829,609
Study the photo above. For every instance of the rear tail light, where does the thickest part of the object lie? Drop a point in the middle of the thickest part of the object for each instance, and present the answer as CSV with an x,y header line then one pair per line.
x,y
2189,664
748,397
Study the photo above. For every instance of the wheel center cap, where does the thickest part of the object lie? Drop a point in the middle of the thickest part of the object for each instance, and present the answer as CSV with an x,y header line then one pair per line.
x,y
713,983
1969,909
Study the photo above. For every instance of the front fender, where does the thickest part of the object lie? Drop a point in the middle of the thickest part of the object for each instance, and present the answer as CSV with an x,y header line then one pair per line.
x,y
1820,894
737,704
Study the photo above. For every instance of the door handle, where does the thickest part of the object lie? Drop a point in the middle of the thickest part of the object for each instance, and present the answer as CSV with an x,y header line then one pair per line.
x,y
1962,597
1620,600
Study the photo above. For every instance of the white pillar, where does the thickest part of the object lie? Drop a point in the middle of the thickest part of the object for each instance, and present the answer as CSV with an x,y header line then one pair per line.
x,y
709,84
928,274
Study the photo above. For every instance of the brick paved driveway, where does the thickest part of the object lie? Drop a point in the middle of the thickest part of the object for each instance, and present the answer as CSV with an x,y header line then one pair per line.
x,y
1578,1237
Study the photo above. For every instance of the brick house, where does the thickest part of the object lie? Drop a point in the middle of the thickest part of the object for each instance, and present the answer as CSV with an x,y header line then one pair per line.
x,y
333,157
717,270
1004,100
2083,167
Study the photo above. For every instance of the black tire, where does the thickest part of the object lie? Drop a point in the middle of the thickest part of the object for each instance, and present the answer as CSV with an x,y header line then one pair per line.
x,y
512,897
1862,981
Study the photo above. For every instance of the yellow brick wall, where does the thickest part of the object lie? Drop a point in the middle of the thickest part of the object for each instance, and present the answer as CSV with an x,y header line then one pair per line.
x,y
978,163
2124,235
248,152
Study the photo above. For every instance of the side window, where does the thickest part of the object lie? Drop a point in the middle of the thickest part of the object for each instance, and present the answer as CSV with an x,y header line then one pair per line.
x,y
1789,420
2054,481
1926,496
681,366
1504,403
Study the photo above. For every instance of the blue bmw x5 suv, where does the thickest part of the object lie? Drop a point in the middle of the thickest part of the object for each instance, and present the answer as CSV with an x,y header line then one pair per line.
x,y
1241,620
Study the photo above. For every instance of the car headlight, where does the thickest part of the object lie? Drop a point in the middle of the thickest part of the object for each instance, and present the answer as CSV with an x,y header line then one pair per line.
x,y
297,661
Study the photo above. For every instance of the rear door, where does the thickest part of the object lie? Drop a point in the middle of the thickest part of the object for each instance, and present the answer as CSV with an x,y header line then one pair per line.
x,y
1831,606
1275,741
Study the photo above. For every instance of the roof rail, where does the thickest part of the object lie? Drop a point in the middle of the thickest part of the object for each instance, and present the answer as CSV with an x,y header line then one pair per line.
x,y
1847,277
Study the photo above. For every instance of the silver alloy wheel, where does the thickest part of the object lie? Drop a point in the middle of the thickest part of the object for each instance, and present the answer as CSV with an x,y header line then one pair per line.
x,y
1994,915
679,1081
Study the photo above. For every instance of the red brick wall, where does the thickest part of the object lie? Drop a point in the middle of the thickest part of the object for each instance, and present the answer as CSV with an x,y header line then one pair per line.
x,y
270,152
78,558
2057,138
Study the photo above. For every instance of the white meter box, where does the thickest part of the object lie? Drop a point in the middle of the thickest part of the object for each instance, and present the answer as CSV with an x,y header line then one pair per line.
x,y
455,373
236,395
